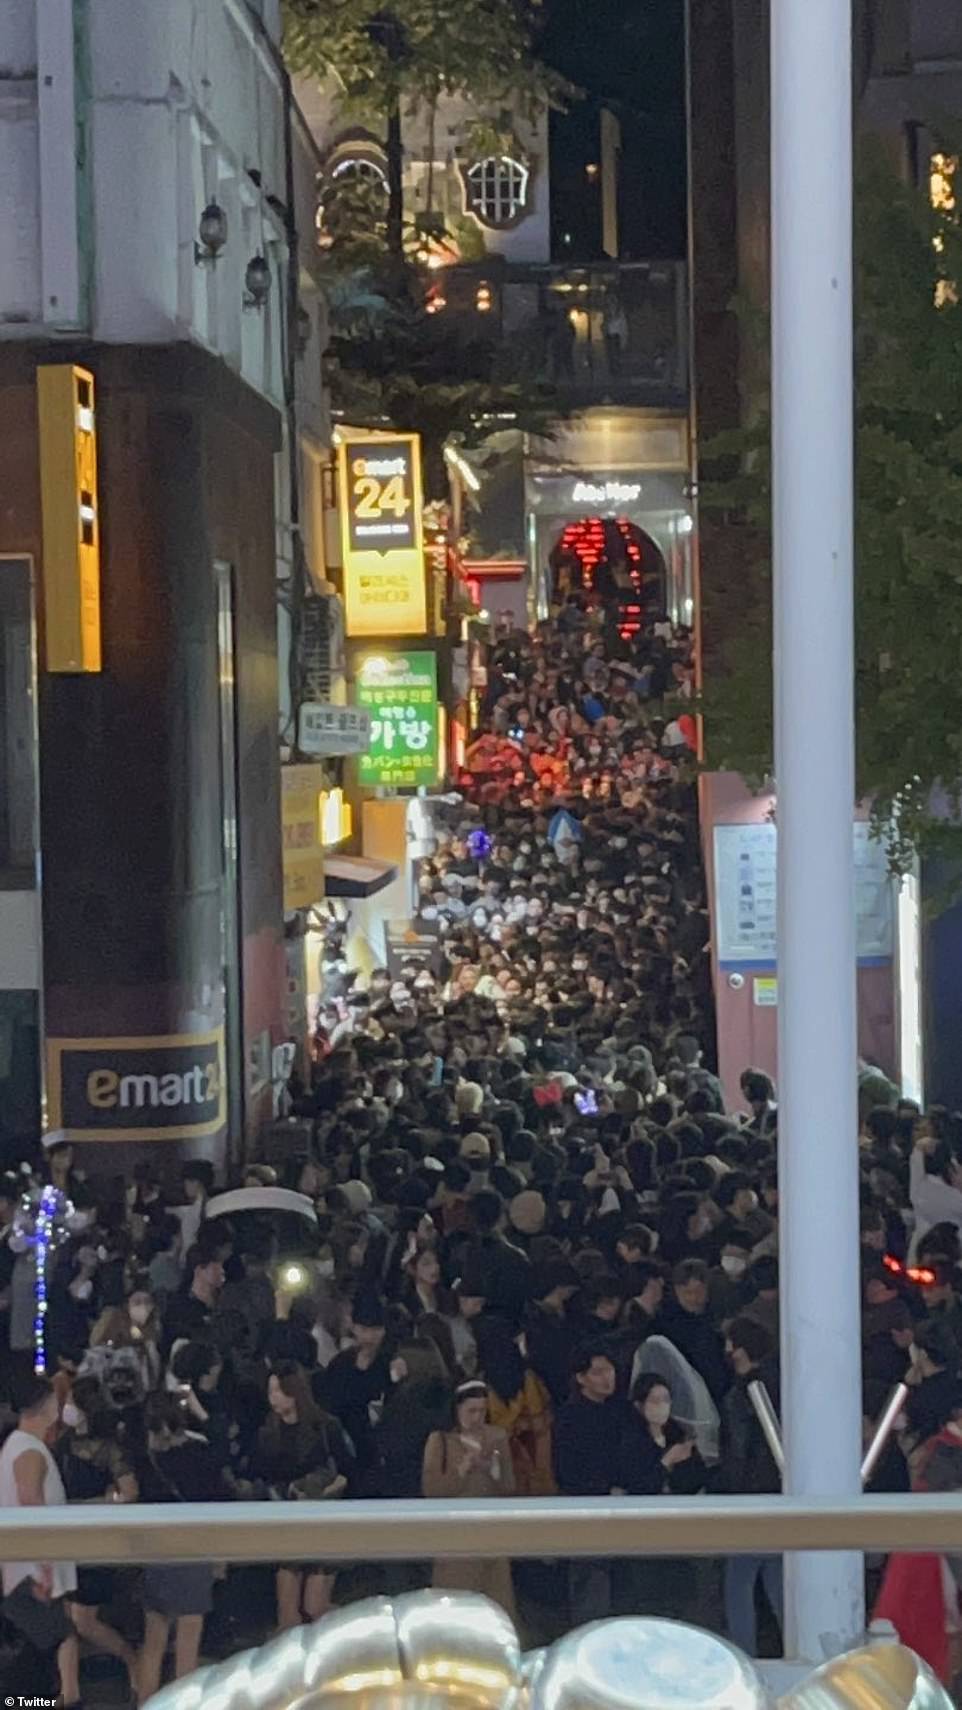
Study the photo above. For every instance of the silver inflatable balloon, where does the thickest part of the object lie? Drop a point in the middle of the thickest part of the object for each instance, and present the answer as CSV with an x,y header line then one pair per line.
x,y
880,1676
405,1654
458,1651
646,1664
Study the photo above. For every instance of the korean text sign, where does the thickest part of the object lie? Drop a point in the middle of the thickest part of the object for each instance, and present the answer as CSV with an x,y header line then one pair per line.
x,y
381,504
400,690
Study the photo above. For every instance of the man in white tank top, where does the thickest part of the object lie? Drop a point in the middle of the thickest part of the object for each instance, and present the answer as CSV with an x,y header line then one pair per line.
x,y
29,1478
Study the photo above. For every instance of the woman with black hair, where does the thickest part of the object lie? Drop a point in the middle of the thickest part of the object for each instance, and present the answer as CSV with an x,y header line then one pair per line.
x,y
658,1457
301,1452
471,1458
518,1404
95,1469
179,1467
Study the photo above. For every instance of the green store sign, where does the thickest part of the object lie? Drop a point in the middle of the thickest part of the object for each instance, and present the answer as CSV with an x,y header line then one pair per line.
x,y
400,690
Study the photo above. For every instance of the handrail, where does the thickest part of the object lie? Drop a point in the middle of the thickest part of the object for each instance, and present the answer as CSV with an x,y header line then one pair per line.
x,y
483,1530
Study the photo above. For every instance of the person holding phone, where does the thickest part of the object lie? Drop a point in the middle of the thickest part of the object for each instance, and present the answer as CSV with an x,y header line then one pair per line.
x,y
472,1458
658,1457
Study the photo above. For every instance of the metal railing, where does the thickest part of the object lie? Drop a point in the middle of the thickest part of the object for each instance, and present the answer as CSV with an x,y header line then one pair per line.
x,y
413,1530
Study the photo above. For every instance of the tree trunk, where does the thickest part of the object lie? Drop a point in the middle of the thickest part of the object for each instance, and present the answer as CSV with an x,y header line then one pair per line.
x,y
394,149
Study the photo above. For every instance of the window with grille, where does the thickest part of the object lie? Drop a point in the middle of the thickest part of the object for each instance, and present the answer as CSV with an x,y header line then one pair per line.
x,y
357,169
497,190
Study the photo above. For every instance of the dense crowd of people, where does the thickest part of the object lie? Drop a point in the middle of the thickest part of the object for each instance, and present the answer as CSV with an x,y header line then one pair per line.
x,y
547,1256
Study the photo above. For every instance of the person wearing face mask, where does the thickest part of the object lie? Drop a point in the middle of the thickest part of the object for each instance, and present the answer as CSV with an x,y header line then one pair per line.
x,y
95,1469
134,1324
728,1289
657,1457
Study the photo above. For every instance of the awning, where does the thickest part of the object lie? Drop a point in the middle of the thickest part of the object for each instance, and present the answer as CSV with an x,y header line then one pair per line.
x,y
356,875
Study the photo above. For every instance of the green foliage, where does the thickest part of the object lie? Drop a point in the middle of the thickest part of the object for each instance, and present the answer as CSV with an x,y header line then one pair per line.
x,y
908,570
399,365
477,48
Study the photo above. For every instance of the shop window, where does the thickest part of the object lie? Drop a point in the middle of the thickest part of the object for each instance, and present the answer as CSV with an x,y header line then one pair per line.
x,y
944,191
497,190
353,195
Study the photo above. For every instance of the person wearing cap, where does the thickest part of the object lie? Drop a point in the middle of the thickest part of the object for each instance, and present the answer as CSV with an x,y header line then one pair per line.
x,y
527,1215
471,1459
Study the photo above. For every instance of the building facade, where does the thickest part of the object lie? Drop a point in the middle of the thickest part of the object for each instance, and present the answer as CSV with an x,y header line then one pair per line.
x,y
155,178
609,336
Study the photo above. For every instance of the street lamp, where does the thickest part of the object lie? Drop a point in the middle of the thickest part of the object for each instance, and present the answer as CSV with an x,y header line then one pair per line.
x,y
212,233
257,282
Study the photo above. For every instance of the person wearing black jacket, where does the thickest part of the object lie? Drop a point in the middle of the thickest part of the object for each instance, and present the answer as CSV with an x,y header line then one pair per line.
x,y
358,1379
587,1439
505,1271
686,1321
179,1466
658,1457
934,1380
749,1469
547,1330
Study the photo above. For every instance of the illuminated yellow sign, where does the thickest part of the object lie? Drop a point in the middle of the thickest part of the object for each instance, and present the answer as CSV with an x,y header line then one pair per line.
x,y
382,536
71,535
335,818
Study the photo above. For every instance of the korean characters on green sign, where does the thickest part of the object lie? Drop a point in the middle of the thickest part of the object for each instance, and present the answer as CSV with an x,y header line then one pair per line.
x,y
400,690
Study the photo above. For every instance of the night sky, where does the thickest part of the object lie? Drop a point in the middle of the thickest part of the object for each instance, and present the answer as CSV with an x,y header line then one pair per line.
x,y
630,55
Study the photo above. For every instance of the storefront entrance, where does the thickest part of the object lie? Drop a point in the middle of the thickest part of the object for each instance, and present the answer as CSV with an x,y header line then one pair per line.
x,y
610,558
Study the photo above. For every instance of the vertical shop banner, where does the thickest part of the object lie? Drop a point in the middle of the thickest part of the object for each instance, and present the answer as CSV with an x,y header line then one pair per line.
x,y
382,536
400,690
301,788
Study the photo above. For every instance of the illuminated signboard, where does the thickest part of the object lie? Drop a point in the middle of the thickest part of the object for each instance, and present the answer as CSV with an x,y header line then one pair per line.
x,y
400,690
605,492
382,537
71,529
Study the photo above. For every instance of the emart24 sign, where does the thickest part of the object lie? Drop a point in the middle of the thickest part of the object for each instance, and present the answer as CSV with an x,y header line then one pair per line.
x,y
168,1087
400,690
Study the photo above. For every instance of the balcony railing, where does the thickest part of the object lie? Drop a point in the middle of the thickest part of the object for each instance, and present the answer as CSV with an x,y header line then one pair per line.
x,y
480,1530
608,332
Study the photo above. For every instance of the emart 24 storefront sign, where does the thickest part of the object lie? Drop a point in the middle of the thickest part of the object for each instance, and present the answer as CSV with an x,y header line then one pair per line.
x,y
401,692
169,1087
382,538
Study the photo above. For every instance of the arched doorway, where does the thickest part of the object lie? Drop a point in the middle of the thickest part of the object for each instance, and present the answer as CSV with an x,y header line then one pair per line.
x,y
610,558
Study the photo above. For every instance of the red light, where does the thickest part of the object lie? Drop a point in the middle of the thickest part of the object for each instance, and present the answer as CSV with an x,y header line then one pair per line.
x,y
918,1274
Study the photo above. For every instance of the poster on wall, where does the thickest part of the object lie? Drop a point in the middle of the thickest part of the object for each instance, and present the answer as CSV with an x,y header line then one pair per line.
x,y
400,690
382,538
303,854
745,893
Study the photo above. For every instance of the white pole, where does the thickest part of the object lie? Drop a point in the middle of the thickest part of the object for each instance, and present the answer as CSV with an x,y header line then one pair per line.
x,y
812,429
